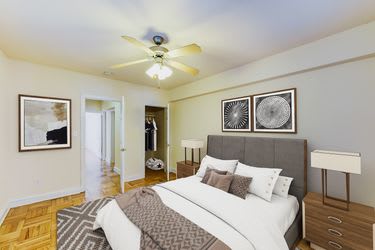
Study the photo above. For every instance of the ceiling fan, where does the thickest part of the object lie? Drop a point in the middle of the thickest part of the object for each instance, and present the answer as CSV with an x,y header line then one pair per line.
x,y
162,57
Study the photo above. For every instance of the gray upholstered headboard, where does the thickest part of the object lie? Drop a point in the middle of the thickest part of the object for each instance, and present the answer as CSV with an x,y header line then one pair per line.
x,y
287,154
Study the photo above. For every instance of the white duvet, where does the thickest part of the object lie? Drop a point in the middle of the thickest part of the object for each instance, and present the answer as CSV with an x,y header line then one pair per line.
x,y
252,223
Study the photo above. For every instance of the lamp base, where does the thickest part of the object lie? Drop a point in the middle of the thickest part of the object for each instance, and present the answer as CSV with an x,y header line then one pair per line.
x,y
335,202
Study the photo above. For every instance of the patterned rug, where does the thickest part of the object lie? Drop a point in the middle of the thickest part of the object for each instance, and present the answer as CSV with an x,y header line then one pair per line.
x,y
74,227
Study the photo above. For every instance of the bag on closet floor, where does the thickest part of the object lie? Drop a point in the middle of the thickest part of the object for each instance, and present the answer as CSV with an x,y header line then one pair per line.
x,y
155,164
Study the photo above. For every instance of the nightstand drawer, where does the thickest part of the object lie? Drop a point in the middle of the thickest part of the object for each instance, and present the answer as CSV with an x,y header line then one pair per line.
x,y
322,232
338,220
323,240
334,228
186,170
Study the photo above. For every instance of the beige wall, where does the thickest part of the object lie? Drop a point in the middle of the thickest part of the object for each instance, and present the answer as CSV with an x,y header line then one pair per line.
x,y
93,106
348,45
3,143
36,173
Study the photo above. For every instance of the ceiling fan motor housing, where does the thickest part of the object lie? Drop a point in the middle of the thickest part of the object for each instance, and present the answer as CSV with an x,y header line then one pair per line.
x,y
158,40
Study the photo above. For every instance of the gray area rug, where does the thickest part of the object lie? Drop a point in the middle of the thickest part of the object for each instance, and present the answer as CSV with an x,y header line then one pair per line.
x,y
74,227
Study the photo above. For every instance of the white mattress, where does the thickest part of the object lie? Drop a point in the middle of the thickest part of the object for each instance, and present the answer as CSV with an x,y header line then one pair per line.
x,y
258,224
283,211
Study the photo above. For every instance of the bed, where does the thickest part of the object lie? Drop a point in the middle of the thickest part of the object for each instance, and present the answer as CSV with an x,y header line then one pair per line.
x,y
255,224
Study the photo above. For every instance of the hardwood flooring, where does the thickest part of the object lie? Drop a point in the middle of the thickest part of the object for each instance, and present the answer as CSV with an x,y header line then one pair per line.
x,y
34,226
152,178
101,180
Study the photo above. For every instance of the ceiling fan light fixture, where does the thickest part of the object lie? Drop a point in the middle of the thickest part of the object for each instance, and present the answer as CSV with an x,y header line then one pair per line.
x,y
159,71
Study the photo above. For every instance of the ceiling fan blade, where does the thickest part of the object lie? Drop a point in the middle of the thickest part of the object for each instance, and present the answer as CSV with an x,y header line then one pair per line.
x,y
138,44
121,65
183,67
184,51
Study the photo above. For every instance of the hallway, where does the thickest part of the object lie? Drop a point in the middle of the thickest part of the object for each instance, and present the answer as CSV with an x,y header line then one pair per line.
x,y
101,181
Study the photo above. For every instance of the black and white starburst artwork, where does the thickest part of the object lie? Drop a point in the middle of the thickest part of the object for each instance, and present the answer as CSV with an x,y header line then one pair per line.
x,y
236,114
275,112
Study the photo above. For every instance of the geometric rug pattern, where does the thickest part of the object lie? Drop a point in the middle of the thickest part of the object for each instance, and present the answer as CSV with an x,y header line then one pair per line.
x,y
74,227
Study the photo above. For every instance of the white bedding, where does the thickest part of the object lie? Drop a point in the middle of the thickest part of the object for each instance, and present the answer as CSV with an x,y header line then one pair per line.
x,y
245,224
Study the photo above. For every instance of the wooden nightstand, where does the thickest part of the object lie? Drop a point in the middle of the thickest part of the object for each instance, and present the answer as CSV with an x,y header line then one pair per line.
x,y
331,228
186,170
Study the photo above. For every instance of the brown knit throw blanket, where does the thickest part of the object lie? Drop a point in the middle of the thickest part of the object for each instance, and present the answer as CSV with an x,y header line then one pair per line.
x,y
162,227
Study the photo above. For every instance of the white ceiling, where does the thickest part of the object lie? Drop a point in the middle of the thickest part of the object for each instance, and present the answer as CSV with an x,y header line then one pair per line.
x,y
84,35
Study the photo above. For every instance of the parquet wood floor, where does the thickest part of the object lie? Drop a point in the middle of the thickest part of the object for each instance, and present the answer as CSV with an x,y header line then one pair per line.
x,y
34,226
101,180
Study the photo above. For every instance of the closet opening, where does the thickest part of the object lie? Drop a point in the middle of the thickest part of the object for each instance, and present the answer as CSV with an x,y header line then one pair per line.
x,y
156,143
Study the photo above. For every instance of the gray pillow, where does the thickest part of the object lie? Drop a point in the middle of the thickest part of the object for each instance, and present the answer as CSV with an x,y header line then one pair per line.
x,y
240,185
220,181
208,173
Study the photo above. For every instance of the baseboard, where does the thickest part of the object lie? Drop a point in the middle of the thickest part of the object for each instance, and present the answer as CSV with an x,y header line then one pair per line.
x,y
117,170
44,197
3,213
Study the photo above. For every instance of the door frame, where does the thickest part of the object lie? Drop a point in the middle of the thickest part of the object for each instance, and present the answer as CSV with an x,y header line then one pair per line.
x,y
120,100
108,122
167,114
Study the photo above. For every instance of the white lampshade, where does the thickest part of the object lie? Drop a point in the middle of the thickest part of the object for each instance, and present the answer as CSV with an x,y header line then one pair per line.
x,y
159,71
192,143
337,161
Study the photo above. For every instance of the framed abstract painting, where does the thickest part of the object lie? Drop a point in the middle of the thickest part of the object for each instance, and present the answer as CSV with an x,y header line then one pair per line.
x,y
275,112
44,123
235,114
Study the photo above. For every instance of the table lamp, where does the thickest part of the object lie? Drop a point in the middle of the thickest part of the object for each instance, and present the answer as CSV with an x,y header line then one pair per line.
x,y
347,163
193,144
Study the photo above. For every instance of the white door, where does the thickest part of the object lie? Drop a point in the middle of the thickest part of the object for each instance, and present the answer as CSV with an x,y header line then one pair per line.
x,y
168,140
108,134
122,144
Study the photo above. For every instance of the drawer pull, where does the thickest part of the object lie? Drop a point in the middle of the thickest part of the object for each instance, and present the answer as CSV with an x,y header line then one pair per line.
x,y
334,244
334,219
334,232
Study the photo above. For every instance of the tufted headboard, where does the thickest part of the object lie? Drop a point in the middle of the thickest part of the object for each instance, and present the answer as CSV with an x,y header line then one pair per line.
x,y
287,154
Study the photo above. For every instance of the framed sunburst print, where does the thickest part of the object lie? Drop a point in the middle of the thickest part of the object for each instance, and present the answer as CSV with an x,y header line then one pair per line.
x,y
235,114
275,112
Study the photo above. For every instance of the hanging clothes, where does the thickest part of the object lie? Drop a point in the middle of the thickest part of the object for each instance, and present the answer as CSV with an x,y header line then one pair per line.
x,y
150,136
147,135
154,136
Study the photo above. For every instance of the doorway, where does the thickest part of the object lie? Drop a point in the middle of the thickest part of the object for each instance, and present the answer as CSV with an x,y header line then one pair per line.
x,y
102,138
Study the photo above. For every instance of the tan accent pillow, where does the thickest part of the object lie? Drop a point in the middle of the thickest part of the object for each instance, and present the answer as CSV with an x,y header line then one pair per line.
x,y
220,181
240,185
208,174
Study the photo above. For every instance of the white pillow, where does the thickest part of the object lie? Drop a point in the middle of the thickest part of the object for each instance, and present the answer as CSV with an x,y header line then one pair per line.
x,y
263,182
282,186
223,165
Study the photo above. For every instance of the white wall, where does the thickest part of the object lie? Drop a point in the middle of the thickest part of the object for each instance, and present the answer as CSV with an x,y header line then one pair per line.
x,y
36,173
334,100
94,133
3,143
